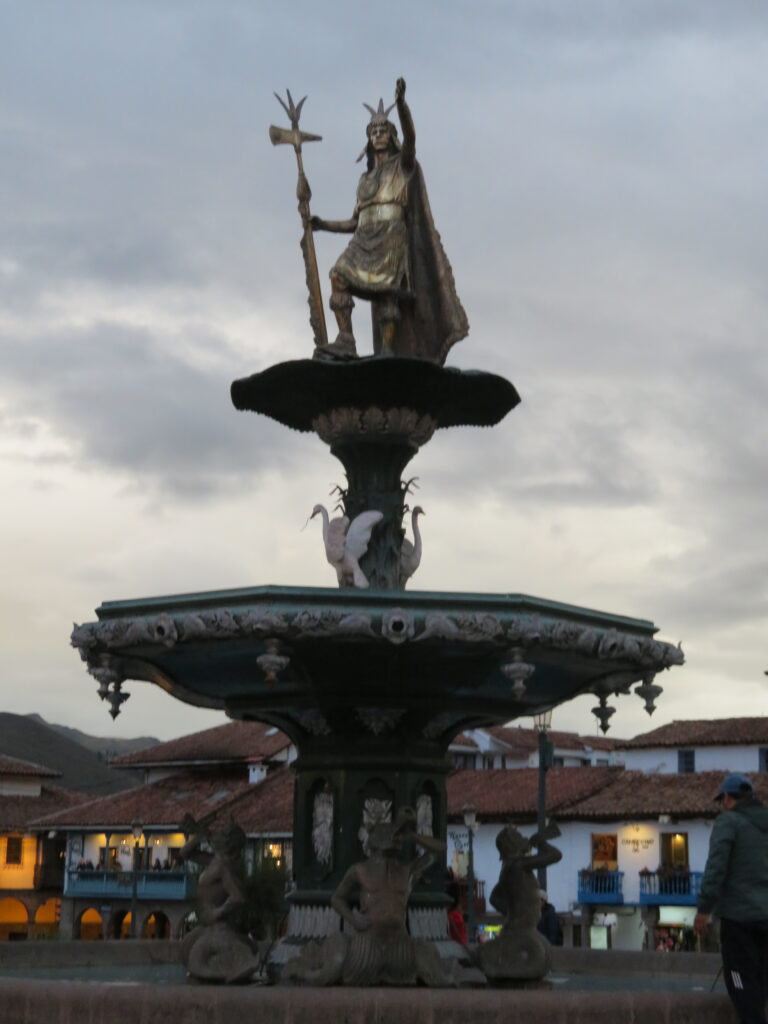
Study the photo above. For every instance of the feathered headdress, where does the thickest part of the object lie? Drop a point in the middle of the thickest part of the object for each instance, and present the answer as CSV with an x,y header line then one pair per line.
x,y
378,116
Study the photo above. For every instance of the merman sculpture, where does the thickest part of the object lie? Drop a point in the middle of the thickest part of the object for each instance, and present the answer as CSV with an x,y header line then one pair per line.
x,y
375,947
215,950
520,953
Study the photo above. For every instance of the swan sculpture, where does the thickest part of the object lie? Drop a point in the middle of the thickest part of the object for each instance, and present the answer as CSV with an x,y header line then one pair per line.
x,y
410,552
346,543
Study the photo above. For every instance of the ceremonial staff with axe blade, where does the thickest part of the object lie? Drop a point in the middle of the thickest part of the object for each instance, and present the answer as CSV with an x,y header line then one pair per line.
x,y
295,137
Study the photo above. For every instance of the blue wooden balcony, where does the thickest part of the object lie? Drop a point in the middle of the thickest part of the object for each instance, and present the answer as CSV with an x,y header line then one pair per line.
x,y
679,888
601,887
150,885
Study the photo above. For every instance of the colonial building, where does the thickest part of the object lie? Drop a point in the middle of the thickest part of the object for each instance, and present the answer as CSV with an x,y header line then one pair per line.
x,y
721,744
510,747
31,863
634,842
218,749
633,846
122,852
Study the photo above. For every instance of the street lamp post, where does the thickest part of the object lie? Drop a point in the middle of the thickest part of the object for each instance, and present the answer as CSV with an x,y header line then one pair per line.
x,y
136,828
470,820
542,723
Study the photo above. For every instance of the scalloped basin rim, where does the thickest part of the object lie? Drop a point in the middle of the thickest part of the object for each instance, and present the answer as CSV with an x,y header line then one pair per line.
x,y
372,601
295,392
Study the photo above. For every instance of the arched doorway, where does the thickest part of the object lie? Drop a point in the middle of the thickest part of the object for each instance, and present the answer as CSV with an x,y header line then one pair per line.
x,y
90,926
47,918
14,919
121,924
157,926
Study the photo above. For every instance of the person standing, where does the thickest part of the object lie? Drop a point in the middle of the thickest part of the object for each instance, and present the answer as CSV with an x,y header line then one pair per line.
x,y
549,922
735,888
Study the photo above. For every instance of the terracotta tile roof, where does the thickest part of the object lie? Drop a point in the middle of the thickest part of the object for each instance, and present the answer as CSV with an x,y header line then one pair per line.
x,y
16,812
213,797
500,795
526,740
15,766
462,740
264,807
702,733
160,804
233,741
634,794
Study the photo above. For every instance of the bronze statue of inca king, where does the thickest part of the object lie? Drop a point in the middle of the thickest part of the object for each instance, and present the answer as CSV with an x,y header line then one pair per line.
x,y
395,258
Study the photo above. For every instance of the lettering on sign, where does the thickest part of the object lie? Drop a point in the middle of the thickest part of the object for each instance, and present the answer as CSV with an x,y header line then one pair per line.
x,y
460,841
639,845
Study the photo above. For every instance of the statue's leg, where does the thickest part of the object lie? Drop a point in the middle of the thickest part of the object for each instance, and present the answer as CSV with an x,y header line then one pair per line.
x,y
389,314
342,305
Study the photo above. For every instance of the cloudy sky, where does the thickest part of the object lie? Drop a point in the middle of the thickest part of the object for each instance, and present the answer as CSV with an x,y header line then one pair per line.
x,y
597,173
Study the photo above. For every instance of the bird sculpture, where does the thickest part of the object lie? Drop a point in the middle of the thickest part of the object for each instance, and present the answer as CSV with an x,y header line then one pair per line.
x,y
346,543
410,552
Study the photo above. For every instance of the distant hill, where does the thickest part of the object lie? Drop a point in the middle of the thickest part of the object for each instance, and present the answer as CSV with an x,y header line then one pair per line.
x,y
31,739
106,747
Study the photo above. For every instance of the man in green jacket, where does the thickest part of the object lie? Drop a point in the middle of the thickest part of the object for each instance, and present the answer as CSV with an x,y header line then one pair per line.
x,y
735,887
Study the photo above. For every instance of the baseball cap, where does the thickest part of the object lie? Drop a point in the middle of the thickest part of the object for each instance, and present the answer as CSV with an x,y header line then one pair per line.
x,y
734,784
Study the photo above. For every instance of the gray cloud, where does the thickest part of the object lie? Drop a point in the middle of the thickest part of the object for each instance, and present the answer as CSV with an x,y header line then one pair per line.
x,y
595,170
128,403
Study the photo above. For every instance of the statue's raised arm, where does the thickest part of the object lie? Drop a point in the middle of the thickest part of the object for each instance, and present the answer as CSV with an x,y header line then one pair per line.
x,y
408,150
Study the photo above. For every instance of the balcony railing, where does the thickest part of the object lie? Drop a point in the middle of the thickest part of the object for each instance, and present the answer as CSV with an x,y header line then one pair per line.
x,y
158,885
463,888
680,888
601,887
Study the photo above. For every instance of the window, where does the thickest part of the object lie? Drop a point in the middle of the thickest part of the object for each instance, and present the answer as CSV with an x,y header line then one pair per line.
x,y
605,850
463,760
278,852
274,851
674,850
13,850
558,762
763,753
686,761
488,760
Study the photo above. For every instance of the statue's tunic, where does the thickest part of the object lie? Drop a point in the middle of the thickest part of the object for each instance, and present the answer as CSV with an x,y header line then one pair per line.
x,y
376,259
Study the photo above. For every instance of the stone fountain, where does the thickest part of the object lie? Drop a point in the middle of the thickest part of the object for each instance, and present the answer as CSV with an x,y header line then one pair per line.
x,y
369,680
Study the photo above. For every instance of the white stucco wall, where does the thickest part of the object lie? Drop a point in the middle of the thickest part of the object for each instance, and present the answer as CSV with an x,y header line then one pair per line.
x,y
19,785
664,759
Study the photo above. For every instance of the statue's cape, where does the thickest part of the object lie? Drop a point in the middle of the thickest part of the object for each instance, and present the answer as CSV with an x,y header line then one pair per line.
x,y
433,318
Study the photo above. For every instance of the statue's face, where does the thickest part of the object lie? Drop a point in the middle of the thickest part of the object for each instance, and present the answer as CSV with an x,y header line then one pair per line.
x,y
384,839
380,136
510,843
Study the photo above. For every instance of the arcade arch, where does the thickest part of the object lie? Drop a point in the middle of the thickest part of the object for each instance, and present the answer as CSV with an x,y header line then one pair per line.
x,y
47,917
157,926
90,925
14,919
